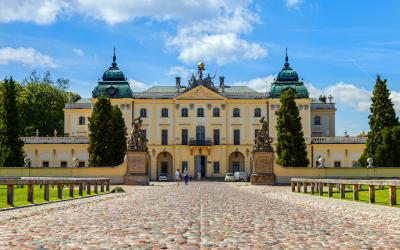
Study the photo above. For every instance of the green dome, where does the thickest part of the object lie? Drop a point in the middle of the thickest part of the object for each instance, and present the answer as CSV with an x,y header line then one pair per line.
x,y
113,84
288,78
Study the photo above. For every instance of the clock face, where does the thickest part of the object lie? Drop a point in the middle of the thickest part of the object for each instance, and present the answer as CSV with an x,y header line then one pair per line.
x,y
111,91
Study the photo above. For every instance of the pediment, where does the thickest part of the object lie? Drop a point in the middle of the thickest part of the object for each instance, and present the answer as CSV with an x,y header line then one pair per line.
x,y
200,93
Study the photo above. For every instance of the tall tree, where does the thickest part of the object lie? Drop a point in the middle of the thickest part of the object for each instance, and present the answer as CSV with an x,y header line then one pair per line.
x,y
11,153
382,116
290,146
118,144
107,137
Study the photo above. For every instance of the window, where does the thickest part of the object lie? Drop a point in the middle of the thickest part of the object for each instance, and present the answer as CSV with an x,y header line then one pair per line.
x,y
236,112
82,120
216,136
236,137
64,164
81,164
184,137
45,164
354,164
200,134
185,166
200,112
142,134
143,113
317,120
164,112
164,137
257,112
337,164
215,112
184,112
216,167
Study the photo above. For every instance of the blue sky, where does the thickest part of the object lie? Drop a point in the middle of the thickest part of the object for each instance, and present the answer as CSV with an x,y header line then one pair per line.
x,y
337,47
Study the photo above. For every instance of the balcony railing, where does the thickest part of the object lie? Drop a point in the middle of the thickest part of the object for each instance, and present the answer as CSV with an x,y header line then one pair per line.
x,y
339,140
322,106
55,140
194,142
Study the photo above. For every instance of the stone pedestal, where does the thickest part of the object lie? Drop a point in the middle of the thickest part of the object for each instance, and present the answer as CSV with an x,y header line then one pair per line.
x,y
137,168
263,163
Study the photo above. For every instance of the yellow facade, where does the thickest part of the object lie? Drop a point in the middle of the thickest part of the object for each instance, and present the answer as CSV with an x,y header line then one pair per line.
x,y
206,129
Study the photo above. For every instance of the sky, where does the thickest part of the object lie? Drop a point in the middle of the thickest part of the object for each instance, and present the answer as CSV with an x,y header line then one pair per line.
x,y
337,47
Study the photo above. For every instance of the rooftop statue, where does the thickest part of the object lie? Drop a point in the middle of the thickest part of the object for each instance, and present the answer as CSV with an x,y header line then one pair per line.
x,y
135,141
262,140
196,81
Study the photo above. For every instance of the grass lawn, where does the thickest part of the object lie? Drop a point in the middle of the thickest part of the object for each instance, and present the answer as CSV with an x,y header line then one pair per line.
x,y
21,194
381,194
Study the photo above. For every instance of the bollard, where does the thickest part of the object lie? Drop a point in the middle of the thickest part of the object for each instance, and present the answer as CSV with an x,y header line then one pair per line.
x,y
392,195
60,188
102,187
371,192
10,195
355,192
330,189
108,186
46,193
305,184
80,189
30,193
87,188
95,188
293,186
312,187
71,190
342,191
298,187
321,189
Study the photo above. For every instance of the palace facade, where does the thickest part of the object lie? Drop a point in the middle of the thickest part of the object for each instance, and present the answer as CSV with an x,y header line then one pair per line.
x,y
206,125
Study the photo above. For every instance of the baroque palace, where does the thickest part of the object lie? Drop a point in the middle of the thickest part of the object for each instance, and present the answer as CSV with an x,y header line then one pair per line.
x,y
206,126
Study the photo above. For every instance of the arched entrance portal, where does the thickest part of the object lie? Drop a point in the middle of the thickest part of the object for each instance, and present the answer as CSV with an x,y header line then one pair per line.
x,y
200,165
236,162
164,165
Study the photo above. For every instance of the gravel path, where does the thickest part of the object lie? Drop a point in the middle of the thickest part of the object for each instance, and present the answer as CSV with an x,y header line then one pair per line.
x,y
202,215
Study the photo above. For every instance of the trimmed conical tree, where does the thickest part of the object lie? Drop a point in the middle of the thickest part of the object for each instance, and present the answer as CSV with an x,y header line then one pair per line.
x,y
118,144
11,153
382,116
100,136
290,147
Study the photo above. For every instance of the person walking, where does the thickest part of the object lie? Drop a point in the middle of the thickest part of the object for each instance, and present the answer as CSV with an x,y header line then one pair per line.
x,y
186,177
177,177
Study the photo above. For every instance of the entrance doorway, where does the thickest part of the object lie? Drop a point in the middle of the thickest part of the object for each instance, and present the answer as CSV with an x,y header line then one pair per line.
x,y
200,165
164,167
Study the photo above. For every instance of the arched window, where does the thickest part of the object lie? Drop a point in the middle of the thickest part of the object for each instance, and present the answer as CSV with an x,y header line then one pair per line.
x,y
215,112
184,112
200,112
164,112
257,112
236,112
317,120
143,112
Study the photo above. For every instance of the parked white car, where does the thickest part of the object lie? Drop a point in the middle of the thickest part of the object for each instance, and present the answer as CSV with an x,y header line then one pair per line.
x,y
163,177
241,176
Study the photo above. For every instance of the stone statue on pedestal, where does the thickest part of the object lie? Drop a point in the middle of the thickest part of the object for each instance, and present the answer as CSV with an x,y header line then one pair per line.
x,y
135,141
263,156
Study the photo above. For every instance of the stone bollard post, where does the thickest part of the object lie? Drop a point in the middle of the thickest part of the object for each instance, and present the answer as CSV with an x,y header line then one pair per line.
x,y
30,193
298,186
88,188
342,191
80,189
71,190
293,183
305,184
371,192
95,188
46,193
60,188
312,187
392,195
102,187
108,186
330,189
321,189
10,195
355,192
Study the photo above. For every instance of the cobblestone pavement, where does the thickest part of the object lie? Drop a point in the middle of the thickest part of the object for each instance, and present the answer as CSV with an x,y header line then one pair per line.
x,y
202,215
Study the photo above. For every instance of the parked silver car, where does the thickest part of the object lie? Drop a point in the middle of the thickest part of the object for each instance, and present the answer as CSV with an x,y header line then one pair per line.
x,y
163,177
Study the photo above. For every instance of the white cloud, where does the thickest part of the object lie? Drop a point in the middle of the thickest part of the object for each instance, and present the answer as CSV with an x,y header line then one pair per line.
x,y
208,30
261,84
37,11
178,71
292,3
27,56
78,52
137,86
